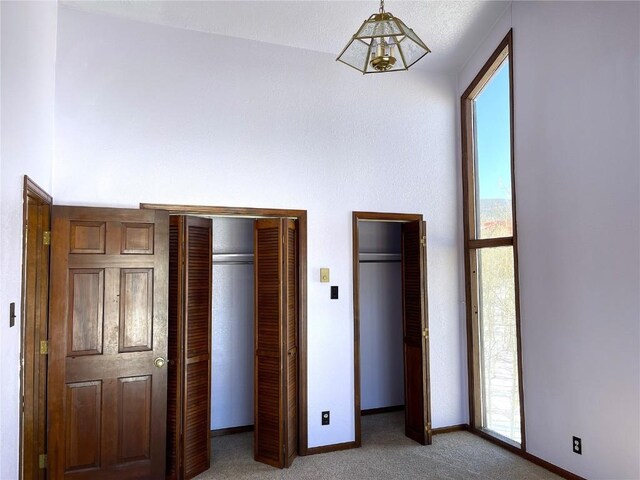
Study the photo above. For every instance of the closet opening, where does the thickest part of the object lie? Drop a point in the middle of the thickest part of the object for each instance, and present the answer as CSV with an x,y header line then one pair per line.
x,y
381,359
391,326
237,342
232,337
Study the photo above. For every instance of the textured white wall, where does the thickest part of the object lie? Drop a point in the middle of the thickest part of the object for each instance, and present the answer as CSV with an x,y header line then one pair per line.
x,y
27,102
232,327
154,114
381,358
577,158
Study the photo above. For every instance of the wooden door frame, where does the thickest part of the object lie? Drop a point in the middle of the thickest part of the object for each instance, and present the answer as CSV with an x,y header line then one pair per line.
x,y
34,326
301,217
356,217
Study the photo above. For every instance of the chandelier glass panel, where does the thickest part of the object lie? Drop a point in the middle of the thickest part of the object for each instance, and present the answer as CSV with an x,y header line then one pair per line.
x,y
383,44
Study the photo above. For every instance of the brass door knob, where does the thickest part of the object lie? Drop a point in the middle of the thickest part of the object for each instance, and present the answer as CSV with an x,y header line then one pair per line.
x,y
159,362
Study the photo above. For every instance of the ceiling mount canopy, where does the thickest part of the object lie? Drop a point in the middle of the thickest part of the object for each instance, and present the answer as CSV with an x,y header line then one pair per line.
x,y
383,44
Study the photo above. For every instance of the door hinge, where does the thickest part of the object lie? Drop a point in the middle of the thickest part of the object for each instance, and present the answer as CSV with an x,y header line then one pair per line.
x,y
427,427
46,238
44,347
425,333
423,240
42,461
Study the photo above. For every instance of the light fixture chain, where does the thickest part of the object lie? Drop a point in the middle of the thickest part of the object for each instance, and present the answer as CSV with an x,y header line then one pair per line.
x,y
381,6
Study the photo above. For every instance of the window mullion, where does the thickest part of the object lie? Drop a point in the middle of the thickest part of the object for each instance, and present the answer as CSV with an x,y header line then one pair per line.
x,y
490,242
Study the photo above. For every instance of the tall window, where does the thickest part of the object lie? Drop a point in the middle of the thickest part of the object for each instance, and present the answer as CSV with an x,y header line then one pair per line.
x,y
491,251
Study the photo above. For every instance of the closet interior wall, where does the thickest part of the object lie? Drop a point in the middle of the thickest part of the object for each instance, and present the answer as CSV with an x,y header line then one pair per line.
x,y
232,330
381,357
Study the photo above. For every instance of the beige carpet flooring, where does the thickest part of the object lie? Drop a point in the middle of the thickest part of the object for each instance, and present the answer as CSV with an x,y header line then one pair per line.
x,y
385,454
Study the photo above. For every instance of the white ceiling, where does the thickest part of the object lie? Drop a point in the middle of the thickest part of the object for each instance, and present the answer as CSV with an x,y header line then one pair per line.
x,y
451,29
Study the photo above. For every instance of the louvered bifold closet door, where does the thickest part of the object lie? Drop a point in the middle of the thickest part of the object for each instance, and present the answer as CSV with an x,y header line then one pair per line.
x,y
275,403
415,332
268,429
291,341
190,339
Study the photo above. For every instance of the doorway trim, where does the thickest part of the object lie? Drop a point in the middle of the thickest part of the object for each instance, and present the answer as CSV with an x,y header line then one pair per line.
x,y
356,217
301,216
34,329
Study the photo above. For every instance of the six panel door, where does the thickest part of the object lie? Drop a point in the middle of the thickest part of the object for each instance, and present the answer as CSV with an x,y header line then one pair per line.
x,y
108,343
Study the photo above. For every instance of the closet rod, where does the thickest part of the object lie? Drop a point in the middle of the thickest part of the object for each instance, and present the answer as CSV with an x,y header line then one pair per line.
x,y
380,261
232,262
365,257
232,258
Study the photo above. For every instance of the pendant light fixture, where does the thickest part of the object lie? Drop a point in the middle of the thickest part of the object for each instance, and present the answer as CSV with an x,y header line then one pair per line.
x,y
383,44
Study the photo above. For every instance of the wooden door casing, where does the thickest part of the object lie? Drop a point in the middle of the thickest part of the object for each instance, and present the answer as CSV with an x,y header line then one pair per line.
x,y
189,393
35,313
108,324
174,350
415,320
415,333
300,218
275,337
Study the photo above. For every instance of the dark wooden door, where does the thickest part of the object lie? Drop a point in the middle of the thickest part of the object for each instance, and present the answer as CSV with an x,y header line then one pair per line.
x,y
276,342
189,395
108,344
290,336
415,333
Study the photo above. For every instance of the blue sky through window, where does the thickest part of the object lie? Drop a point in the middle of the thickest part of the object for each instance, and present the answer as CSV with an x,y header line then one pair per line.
x,y
493,137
